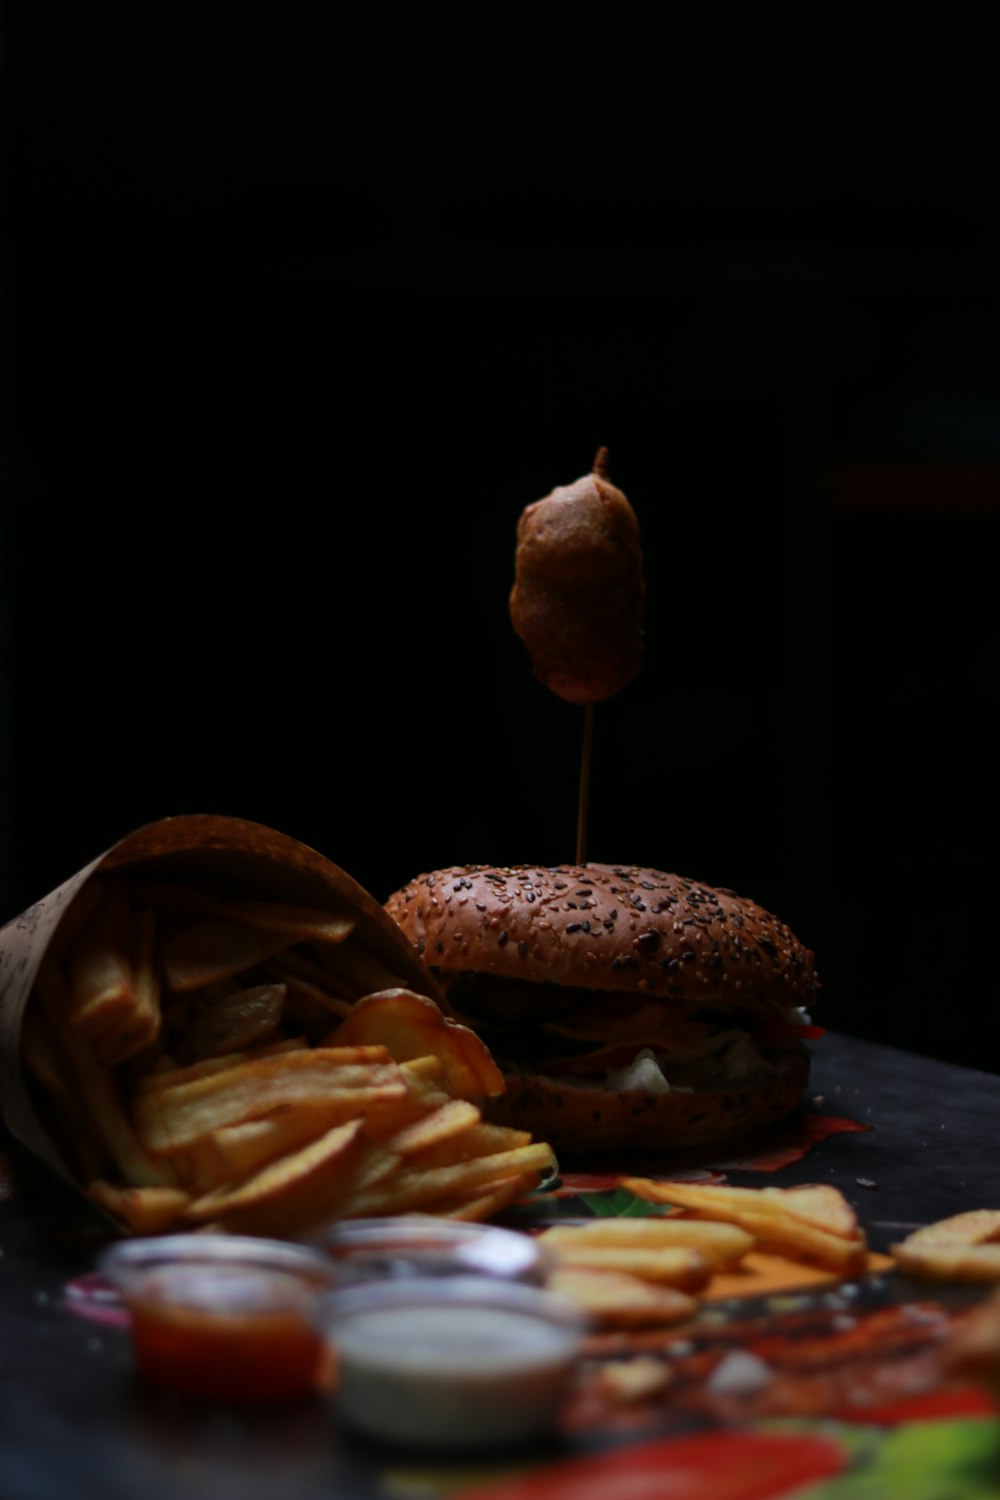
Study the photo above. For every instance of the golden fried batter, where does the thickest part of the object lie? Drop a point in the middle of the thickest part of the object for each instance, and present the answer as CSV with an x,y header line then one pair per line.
x,y
578,588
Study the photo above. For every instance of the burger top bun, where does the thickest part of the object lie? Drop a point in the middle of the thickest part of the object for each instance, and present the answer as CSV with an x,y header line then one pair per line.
x,y
607,927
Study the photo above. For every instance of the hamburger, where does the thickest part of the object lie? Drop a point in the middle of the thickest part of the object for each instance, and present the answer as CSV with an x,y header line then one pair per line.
x,y
624,1006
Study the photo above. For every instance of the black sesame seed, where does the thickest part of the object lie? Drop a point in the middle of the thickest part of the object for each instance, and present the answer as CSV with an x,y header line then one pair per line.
x,y
503,939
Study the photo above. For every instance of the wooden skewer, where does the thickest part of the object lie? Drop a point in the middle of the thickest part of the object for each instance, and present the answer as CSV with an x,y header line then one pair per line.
x,y
582,805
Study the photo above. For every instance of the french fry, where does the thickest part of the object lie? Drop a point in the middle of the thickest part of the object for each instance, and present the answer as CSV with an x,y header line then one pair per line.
x,y
143,1210
721,1244
171,1118
963,1263
208,951
679,1266
170,1073
98,1091
616,1299
245,1018
414,1189
356,968
412,1026
300,1189
139,1025
294,964
780,1219
476,1140
46,1062
234,1153
976,1226
298,923
115,1008
488,1199
964,1247
193,1109
436,1128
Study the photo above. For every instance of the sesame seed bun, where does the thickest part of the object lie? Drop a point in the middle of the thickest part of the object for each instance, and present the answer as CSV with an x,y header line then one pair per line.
x,y
570,972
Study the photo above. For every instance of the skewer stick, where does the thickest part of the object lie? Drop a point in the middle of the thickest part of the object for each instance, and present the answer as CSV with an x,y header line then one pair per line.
x,y
583,804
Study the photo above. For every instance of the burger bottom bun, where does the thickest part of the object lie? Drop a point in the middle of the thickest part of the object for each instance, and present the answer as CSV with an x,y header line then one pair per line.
x,y
590,1119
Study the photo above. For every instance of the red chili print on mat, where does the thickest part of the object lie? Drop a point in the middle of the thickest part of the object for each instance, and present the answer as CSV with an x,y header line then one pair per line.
x,y
705,1466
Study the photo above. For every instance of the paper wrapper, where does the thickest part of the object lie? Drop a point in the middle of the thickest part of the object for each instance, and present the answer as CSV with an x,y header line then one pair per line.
x,y
259,861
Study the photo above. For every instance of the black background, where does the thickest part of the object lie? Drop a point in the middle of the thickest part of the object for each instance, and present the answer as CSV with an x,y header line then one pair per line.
x,y
297,320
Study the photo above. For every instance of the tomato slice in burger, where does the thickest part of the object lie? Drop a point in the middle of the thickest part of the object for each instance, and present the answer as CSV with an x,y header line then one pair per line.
x,y
782,1031
587,1064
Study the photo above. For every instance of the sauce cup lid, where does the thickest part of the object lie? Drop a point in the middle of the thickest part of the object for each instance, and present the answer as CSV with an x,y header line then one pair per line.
x,y
220,1272
424,1245
344,1302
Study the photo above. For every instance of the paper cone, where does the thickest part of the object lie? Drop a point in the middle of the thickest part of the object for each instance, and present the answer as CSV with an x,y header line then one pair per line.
x,y
260,862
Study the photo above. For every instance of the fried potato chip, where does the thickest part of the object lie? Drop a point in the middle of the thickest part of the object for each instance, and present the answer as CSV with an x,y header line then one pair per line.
x,y
964,1247
411,1025
721,1244
616,1299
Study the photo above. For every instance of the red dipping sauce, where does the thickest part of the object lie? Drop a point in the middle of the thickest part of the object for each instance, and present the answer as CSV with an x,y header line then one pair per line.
x,y
223,1317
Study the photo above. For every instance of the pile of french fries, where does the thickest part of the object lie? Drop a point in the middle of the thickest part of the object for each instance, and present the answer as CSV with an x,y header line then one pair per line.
x,y
209,1062
635,1272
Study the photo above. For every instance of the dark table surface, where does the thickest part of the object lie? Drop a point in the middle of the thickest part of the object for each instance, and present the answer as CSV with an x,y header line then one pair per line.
x,y
74,1418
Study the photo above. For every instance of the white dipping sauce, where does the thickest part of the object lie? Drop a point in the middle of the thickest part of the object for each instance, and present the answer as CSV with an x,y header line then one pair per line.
x,y
454,1372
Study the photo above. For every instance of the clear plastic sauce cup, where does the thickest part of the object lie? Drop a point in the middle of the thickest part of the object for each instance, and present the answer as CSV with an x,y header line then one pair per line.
x,y
454,1363
224,1317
